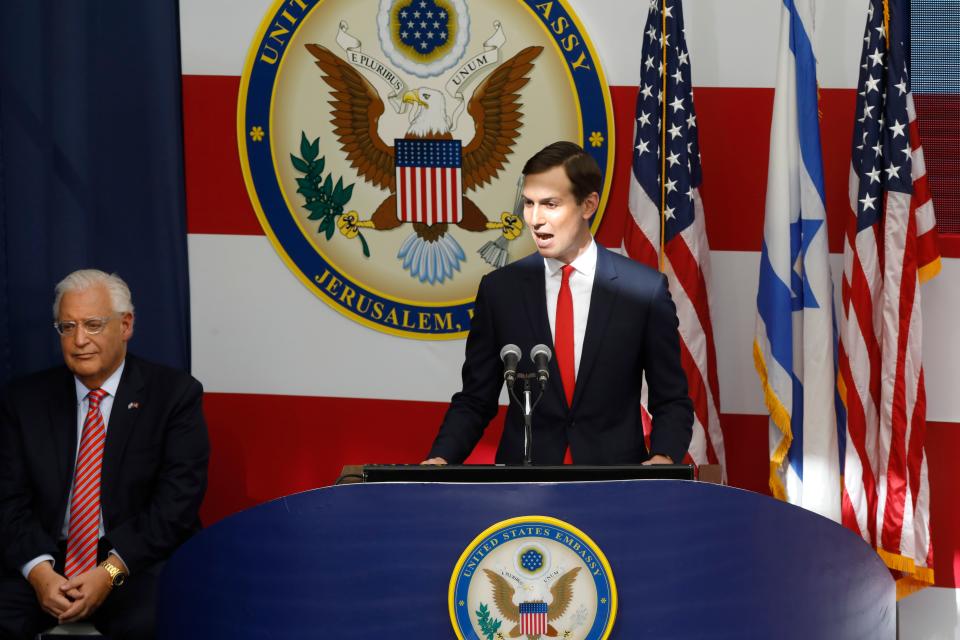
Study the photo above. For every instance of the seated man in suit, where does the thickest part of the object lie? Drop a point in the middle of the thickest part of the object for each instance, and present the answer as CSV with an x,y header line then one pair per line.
x,y
103,465
610,321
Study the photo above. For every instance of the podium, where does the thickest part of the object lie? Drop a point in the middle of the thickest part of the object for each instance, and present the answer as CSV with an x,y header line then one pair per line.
x,y
690,560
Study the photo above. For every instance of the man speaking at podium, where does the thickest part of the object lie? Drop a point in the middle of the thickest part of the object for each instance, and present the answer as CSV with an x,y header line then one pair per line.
x,y
610,320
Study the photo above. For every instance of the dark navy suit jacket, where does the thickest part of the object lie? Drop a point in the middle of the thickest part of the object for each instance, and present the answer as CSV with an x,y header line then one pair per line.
x,y
631,330
154,463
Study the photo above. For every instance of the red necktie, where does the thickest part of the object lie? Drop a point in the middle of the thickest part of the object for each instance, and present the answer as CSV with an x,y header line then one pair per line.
x,y
563,342
563,338
85,506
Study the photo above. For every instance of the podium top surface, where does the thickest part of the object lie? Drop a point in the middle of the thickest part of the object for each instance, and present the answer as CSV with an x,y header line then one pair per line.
x,y
519,473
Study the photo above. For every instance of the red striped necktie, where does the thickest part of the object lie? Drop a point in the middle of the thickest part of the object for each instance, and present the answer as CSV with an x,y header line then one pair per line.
x,y
85,506
563,342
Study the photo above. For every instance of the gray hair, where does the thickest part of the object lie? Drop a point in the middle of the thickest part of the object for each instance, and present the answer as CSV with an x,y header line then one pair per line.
x,y
83,279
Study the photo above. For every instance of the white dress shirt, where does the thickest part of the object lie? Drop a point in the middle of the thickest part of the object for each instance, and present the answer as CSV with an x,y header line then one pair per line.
x,y
581,288
83,403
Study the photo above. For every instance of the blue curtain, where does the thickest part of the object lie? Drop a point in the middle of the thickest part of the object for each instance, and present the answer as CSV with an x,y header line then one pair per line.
x,y
91,169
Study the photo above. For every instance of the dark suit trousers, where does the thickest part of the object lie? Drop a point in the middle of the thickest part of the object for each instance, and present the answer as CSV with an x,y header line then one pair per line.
x,y
128,611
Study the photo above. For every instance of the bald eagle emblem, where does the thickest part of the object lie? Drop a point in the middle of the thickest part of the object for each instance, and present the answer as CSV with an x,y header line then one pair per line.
x,y
532,577
428,173
533,618
381,145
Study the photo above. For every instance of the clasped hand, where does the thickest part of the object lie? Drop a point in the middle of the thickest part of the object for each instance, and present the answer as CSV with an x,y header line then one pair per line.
x,y
73,599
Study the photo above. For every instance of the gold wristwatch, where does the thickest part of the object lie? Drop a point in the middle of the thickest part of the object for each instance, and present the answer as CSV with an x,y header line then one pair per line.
x,y
117,575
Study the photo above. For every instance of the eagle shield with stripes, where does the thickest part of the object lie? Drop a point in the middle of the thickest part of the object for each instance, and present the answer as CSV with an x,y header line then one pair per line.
x,y
429,186
533,618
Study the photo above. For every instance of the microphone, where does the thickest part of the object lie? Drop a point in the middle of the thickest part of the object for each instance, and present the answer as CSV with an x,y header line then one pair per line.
x,y
541,355
510,354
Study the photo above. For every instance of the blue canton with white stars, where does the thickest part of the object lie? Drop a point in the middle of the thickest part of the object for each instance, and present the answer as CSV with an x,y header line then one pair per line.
x,y
531,560
682,152
428,153
881,137
534,607
424,26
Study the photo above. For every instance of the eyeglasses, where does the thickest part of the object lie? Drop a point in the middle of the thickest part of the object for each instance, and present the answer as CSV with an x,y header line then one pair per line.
x,y
91,326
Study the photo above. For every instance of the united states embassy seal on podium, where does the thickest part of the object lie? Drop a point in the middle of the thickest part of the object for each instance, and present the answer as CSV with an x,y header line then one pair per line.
x,y
532,577
381,143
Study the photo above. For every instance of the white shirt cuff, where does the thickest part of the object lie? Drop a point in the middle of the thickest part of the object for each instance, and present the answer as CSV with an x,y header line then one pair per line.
x,y
116,553
27,568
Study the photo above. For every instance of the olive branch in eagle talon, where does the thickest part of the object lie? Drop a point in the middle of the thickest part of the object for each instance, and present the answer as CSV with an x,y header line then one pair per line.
x,y
356,107
324,199
488,624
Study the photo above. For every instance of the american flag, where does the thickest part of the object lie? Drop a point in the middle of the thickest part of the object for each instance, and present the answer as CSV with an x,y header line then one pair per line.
x,y
664,187
533,618
890,248
429,186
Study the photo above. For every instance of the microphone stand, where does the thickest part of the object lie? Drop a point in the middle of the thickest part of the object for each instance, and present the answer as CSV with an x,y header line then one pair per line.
x,y
528,408
527,425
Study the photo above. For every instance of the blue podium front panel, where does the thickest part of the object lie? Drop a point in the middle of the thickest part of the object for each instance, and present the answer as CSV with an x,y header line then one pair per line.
x,y
689,560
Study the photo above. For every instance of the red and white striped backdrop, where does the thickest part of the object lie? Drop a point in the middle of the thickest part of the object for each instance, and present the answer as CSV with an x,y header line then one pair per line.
x,y
295,390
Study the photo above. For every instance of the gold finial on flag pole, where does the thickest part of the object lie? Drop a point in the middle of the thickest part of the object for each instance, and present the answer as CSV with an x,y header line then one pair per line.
x,y
886,21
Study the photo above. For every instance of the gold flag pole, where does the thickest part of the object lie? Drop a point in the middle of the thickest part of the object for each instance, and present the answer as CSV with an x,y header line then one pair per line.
x,y
663,128
886,21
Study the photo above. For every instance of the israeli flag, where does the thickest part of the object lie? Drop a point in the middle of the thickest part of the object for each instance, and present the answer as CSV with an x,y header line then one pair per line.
x,y
793,346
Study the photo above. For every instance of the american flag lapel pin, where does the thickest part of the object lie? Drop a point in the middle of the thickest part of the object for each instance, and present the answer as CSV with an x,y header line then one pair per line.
x,y
133,405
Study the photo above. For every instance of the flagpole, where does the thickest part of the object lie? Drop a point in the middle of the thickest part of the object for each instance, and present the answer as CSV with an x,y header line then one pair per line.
x,y
886,21
663,128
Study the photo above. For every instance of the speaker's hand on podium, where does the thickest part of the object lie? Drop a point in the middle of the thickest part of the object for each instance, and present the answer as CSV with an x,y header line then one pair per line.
x,y
434,461
659,459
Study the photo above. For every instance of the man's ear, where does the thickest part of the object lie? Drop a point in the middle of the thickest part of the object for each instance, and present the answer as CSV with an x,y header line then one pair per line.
x,y
590,204
126,326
